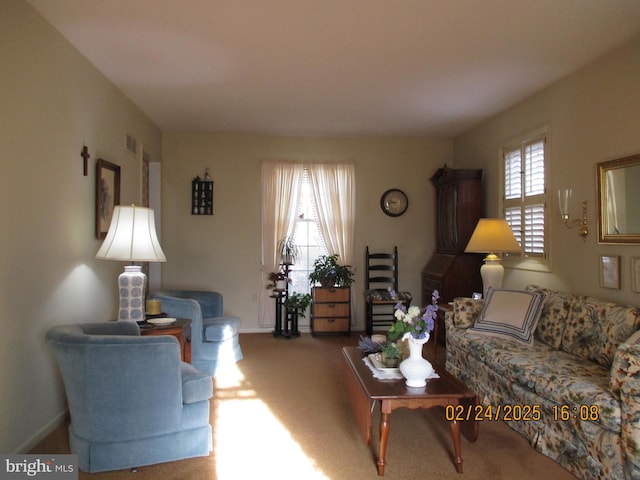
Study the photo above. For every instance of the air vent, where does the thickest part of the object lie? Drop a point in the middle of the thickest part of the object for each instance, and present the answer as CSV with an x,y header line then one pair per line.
x,y
131,144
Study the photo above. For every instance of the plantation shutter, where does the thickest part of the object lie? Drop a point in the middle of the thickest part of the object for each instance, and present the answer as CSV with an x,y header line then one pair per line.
x,y
525,195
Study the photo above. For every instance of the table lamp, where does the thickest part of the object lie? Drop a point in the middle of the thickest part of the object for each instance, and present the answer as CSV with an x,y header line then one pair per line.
x,y
492,235
132,237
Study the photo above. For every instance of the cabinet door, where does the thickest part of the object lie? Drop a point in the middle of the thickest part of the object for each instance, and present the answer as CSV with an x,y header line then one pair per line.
x,y
447,205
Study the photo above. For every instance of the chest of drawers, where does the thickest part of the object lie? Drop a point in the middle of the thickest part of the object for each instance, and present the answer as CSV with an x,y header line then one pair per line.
x,y
331,310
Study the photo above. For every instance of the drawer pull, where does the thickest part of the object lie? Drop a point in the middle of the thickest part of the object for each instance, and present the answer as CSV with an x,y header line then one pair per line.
x,y
331,320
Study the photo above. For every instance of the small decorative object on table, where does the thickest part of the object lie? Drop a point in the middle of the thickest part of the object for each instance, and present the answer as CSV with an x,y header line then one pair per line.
x,y
391,354
414,325
367,345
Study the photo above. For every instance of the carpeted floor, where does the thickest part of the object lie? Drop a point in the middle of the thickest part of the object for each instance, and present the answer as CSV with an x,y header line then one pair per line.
x,y
284,414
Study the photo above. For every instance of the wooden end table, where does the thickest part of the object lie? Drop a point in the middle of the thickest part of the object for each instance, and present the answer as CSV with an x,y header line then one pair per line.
x,y
181,329
364,389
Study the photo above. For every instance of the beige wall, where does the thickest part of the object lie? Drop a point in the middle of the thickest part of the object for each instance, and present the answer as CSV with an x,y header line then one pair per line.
x,y
223,252
53,100
593,116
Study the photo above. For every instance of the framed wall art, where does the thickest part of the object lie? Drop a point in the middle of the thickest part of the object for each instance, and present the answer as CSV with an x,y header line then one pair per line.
x,y
610,271
635,274
107,194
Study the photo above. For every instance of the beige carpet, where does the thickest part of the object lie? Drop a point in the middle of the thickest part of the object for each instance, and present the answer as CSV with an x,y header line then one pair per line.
x,y
283,414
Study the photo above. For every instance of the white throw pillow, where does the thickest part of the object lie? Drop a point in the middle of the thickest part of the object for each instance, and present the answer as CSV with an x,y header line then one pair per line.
x,y
634,339
510,314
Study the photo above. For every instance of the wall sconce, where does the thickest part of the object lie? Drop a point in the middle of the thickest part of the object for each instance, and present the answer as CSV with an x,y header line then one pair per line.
x,y
564,195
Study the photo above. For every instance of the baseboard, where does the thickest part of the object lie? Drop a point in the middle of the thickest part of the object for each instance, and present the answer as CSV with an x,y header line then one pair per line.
x,y
41,434
302,328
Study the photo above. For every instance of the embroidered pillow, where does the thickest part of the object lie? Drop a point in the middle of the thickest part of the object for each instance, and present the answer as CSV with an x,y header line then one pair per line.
x,y
511,314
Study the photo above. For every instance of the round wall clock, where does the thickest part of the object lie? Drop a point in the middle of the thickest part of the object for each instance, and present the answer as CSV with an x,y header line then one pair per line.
x,y
394,202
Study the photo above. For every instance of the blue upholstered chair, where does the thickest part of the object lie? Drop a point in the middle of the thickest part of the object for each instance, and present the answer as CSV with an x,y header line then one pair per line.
x,y
132,401
214,336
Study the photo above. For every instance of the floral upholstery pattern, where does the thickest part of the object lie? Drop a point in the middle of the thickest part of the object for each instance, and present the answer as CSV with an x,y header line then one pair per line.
x,y
595,329
381,295
557,306
602,378
465,311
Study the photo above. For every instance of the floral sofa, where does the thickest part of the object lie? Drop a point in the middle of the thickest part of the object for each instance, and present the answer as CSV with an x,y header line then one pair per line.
x,y
580,371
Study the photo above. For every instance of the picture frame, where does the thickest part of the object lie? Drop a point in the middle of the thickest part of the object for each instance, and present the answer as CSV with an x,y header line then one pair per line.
x,y
107,195
610,271
635,274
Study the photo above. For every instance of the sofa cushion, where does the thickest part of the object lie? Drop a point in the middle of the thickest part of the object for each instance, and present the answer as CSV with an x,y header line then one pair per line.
x,y
560,377
596,328
552,374
466,311
380,295
553,319
510,314
220,329
196,386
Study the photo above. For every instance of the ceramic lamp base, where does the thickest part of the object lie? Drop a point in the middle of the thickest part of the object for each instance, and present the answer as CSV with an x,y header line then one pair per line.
x,y
131,287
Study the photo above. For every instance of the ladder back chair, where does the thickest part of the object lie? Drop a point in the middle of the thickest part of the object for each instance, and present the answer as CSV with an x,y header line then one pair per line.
x,y
381,274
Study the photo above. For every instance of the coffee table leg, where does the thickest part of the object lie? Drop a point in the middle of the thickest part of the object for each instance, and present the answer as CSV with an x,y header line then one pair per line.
x,y
384,436
455,435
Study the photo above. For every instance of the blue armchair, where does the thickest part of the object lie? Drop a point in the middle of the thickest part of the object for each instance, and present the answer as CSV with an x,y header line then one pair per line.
x,y
132,401
214,336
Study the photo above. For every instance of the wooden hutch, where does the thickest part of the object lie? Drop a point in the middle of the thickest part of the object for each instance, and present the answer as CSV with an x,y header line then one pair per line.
x,y
458,208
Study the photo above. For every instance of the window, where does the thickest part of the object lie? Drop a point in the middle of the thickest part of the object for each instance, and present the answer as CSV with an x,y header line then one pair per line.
x,y
315,204
308,238
524,199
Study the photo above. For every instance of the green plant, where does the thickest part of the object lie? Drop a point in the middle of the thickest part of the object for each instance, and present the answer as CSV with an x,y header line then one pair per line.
x,y
329,273
276,277
289,251
391,350
298,301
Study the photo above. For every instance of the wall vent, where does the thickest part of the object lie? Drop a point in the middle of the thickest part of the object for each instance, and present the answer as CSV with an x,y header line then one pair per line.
x,y
131,144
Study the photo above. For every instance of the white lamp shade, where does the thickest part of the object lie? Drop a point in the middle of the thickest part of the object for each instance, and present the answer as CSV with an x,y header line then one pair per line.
x,y
492,235
132,236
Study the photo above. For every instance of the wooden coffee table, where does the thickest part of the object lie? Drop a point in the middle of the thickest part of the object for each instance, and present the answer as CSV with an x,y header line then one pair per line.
x,y
364,389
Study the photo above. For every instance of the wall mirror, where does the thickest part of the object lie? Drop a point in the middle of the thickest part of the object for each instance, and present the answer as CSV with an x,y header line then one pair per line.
x,y
619,200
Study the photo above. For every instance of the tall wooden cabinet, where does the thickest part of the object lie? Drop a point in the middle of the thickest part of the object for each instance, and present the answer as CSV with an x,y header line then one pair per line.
x,y
458,208
331,310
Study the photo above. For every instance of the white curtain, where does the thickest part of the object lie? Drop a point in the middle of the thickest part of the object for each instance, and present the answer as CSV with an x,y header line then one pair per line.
x,y
281,183
334,191
333,187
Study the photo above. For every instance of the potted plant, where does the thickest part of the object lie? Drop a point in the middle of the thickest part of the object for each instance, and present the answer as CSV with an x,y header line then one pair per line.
x,y
278,281
391,353
329,273
298,302
289,251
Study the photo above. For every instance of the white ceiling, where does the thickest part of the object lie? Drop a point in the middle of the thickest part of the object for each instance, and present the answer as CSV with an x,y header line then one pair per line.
x,y
337,67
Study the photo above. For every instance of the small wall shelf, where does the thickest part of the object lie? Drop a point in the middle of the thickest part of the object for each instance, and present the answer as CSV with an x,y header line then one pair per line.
x,y
201,197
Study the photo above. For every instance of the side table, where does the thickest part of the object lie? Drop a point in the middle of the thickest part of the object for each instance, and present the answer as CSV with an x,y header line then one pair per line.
x,y
181,329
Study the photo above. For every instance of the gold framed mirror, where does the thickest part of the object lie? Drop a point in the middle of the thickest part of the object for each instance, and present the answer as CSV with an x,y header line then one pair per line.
x,y
618,186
